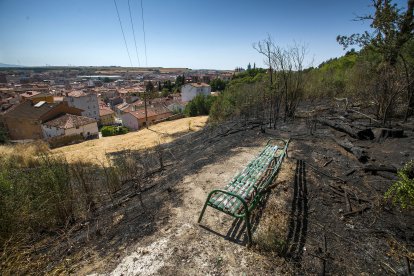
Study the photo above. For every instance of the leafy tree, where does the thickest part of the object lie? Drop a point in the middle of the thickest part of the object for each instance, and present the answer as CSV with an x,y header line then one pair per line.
x,y
332,77
392,29
168,85
179,81
165,92
200,105
149,87
241,99
249,67
217,84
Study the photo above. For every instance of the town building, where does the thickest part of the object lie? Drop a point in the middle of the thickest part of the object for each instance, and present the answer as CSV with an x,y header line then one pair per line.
x,y
190,90
24,120
107,115
36,97
87,102
135,119
70,125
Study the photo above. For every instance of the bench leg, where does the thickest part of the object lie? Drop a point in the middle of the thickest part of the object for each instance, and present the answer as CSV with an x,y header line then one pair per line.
x,y
203,210
248,226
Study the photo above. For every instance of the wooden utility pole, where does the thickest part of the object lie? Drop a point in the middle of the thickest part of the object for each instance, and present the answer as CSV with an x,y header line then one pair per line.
x,y
145,104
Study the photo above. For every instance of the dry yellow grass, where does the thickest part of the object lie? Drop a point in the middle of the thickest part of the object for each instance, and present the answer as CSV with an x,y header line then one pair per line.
x,y
23,154
94,150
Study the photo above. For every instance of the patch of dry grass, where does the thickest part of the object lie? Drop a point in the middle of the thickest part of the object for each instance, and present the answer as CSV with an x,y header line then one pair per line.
x,y
271,234
95,150
23,154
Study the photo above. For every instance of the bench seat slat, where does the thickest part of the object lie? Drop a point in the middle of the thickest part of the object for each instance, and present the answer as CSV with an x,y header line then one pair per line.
x,y
244,183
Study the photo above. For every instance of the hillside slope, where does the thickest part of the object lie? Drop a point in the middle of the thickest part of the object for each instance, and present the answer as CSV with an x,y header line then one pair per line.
x,y
165,132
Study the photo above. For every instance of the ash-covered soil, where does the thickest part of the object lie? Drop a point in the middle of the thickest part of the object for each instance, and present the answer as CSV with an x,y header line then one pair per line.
x,y
325,214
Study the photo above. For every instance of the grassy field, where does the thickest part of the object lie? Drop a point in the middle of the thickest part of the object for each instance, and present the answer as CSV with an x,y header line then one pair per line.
x,y
94,150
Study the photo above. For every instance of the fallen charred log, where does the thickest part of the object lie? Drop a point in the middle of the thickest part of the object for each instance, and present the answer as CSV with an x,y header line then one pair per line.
x,y
358,152
379,168
385,133
361,134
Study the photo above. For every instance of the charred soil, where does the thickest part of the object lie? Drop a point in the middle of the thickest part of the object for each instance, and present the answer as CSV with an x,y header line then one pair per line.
x,y
325,214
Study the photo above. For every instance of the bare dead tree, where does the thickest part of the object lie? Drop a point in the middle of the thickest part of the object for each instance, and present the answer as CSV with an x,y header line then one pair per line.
x,y
265,47
288,63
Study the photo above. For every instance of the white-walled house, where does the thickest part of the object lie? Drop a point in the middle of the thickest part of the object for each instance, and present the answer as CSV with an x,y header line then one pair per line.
x,y
69,124
190,90
87,102
135,119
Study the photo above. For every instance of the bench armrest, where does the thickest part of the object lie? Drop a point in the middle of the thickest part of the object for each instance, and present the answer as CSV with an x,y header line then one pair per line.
x,y
243,201
285,142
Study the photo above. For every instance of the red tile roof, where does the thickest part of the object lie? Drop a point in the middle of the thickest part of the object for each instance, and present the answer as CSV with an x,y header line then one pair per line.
x,y
77,94
151,111
27,110
69,121
199,84
105,111
29,94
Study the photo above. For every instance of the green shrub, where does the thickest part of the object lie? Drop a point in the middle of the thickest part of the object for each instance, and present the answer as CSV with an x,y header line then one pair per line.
x,y
35,197
200,105
3,136
402,191
122,130
113,130
108,131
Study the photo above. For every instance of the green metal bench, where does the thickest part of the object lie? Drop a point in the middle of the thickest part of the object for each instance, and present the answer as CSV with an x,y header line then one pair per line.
x,y
246,189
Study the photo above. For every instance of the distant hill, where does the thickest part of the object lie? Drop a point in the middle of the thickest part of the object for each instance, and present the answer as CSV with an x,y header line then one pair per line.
x,y
9,65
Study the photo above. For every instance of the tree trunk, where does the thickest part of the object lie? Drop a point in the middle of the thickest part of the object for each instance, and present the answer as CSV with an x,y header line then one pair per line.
x,y
358,152
364,134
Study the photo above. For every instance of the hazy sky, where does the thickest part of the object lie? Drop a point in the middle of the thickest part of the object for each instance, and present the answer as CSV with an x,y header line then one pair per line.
x,y
181,33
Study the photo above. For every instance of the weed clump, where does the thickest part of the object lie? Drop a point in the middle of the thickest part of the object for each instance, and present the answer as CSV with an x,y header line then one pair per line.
x,y
402,191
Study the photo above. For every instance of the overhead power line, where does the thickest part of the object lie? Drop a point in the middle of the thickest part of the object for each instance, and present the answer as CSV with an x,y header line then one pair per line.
x,y
133,32
123,34
143,30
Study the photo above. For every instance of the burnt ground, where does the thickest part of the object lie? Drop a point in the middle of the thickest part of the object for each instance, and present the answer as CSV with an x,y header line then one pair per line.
x,y
325,214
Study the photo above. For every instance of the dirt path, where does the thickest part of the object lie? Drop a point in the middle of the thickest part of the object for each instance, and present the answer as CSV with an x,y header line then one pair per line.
x,y
183,246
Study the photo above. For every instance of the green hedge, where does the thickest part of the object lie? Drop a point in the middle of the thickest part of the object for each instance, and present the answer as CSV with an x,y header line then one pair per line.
x,y
113,130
